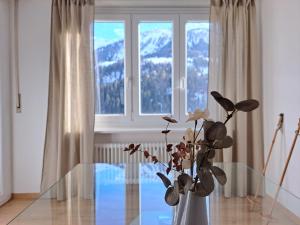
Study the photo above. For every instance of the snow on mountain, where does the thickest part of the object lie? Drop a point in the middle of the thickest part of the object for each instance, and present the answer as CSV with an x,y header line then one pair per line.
x,y
110,54
156,47
159,60
154,41
195,36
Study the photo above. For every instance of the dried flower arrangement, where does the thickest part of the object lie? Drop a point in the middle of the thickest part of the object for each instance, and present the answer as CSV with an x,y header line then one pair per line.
x,y
195,150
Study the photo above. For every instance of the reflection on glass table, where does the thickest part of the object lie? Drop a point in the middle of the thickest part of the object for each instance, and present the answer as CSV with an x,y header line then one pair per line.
x,y
132,194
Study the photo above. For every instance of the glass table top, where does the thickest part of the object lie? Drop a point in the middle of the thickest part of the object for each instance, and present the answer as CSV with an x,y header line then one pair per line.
x,y
132,194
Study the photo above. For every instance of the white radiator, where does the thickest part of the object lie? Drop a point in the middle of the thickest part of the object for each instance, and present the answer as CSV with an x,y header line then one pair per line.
x,y
114,153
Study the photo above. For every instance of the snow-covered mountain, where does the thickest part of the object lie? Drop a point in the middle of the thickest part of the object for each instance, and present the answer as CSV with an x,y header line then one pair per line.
x,y
156,46
111,52
198,39
156,54
156,43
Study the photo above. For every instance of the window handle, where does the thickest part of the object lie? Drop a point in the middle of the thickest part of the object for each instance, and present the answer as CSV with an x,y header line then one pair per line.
x,y
128,80
182,83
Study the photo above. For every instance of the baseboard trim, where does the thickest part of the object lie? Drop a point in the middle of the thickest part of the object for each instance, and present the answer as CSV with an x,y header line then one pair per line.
x,y
5,199
292,216
27,196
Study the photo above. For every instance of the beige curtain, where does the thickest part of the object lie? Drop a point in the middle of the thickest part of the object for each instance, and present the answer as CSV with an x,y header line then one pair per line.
x,y
235,72
70,122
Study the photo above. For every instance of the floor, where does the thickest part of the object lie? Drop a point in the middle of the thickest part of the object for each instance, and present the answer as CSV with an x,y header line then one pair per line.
x,y
78,211
12,208
113,201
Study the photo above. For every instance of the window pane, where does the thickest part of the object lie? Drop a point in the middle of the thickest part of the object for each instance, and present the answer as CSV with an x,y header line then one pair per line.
x,y
109,67
197,42
155,49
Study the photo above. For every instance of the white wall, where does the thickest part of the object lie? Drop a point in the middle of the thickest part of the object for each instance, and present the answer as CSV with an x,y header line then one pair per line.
x,y
281,86
5,103
29,126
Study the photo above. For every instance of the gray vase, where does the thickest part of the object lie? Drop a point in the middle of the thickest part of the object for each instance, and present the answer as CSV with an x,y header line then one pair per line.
x,y
192,210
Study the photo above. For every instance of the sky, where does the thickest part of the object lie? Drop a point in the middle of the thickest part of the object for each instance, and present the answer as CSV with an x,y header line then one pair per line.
x,y
146,26
192,25
108,32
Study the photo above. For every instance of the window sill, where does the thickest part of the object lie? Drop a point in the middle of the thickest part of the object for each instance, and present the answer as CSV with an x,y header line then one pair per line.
x,y
134,130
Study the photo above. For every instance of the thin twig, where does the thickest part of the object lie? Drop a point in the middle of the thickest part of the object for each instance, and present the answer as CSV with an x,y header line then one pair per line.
x,y
229,116
158,161
196,180
199,130
166,140
193,150
166,134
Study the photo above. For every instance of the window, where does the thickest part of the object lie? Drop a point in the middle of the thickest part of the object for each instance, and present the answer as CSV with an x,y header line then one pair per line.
x,y
109,67
148,65
196,61
155,67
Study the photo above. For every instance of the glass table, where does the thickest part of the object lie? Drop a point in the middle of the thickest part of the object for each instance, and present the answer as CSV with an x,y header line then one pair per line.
x,y
132,194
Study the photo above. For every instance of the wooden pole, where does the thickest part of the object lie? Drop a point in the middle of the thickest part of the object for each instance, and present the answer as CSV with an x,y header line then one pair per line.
x,y
279,126
297,132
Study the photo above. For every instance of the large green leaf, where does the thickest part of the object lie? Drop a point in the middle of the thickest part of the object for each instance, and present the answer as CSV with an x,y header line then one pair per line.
x,y
184,183
199,158
207,124
216,94
206,180
219,174
169,119
224,102
211,154
247,105
172,196
206,184
164,179
216,132
224,143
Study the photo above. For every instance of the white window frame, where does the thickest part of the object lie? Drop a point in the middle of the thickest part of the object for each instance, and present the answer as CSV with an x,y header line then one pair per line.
x,y
184,18
107,119
137,116
131,120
